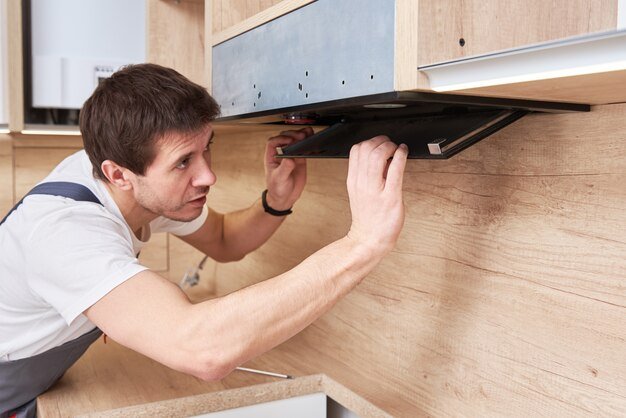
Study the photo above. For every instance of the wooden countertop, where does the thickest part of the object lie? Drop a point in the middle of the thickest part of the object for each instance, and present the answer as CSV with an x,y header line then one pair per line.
x,y
110,376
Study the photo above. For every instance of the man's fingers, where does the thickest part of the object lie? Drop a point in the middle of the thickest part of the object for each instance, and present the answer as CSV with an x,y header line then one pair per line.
x,y
277,141
283,139
378,160
367,157
353,165
270,149
299,134
284,169
395,173
371,144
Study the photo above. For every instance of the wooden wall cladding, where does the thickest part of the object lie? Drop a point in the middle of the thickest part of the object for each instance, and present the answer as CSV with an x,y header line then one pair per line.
x,y
505,293
493,25
6,175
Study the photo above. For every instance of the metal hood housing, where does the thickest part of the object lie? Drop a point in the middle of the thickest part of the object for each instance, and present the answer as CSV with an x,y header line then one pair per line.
x,y
332,63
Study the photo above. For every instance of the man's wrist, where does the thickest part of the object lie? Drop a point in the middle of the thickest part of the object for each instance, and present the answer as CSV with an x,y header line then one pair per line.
x,y
363,251
374,248
273,208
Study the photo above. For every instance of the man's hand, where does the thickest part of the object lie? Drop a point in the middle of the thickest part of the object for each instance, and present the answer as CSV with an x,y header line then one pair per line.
x,y
375,192
285,177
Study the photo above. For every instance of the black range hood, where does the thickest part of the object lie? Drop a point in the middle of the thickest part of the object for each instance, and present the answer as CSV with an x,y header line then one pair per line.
x,y
432,125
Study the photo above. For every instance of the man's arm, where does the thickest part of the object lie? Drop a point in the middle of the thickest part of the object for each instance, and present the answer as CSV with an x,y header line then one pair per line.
x,y
229,237
152,316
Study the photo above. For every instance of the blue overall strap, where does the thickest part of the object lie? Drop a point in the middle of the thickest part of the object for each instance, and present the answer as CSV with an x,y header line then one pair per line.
x,y
74,191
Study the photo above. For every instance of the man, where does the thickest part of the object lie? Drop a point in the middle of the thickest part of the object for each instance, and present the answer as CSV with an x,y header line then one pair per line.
x,y
69,266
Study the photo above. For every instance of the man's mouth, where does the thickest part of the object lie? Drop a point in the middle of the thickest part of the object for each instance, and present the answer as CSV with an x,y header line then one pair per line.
x,y
199,200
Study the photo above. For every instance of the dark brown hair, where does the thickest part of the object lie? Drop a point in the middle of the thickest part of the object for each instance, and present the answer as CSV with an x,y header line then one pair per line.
x,y
132,110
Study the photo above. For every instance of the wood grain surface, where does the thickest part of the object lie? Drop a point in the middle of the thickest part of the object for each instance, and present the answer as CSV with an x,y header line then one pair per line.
x,y
228,13
505,293
113,381
175,32
110,376
6,175
599,88
15,65
406,59
492,25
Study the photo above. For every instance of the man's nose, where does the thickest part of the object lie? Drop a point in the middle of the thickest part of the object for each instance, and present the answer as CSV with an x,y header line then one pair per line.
x,y
204,176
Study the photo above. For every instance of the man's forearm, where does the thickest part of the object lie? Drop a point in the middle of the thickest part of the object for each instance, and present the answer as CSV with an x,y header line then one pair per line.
x,y
246,230
211,338
251,321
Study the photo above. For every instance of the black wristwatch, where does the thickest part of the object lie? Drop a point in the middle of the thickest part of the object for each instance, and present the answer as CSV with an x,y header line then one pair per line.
x,y
270,209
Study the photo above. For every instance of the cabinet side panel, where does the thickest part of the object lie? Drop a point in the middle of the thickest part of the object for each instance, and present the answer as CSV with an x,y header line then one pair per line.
x,y
228,13
176,36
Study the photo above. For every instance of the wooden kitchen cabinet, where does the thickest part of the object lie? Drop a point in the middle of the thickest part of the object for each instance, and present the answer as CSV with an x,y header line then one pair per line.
x,y
176,36
227,13
452,29
567,51
429,32
586,69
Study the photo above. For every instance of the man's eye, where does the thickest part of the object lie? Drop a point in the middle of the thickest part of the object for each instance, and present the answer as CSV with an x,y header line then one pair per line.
x,y
183,164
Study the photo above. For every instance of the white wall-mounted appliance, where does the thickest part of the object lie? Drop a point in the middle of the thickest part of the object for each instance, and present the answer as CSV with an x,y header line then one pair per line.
x,y
76,43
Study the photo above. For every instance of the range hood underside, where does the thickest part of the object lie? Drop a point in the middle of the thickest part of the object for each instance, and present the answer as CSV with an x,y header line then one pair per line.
x,y
432,125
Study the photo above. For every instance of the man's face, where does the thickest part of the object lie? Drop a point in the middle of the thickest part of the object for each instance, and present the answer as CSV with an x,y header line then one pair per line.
x,y
176,183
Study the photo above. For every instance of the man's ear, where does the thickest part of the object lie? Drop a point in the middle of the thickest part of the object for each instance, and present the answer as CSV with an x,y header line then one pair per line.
x,y
117,175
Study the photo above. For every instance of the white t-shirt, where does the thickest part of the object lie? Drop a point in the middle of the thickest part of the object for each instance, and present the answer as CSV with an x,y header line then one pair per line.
x,y
59,256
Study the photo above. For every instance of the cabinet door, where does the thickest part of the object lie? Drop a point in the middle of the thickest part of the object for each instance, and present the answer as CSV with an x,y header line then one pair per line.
x,y
452,29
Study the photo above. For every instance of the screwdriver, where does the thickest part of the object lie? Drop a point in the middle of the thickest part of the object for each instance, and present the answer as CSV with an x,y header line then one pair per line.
x,y
245,369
